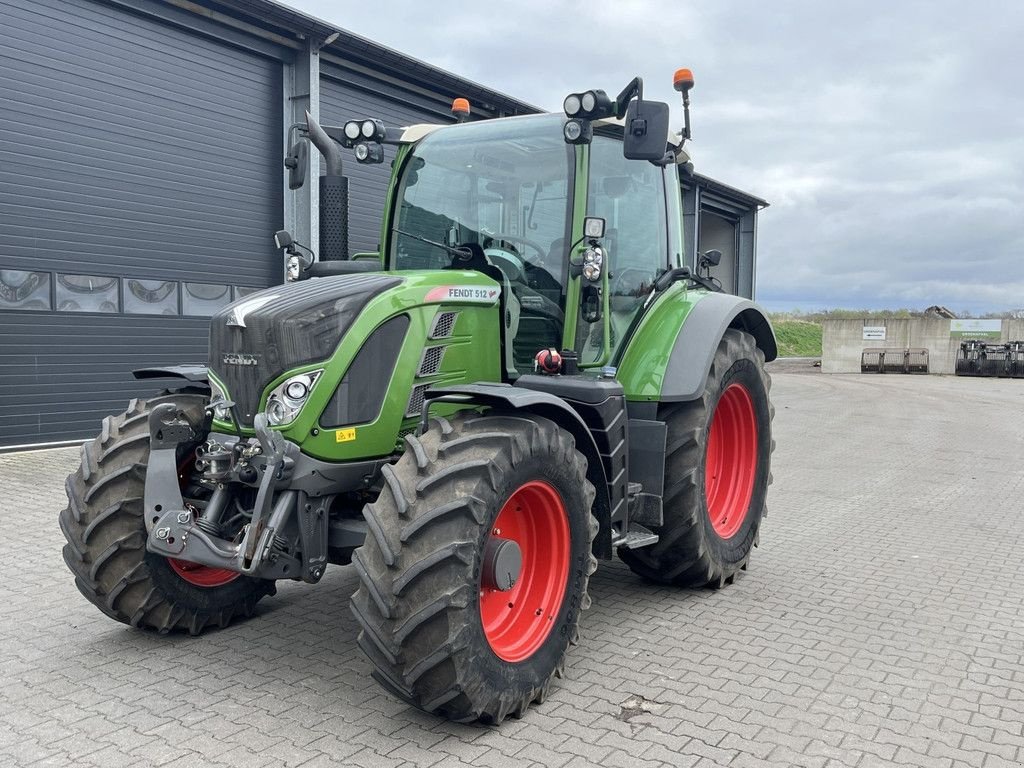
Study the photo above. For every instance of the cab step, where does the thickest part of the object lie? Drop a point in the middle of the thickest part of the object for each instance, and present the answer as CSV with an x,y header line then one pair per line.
x,y
637,537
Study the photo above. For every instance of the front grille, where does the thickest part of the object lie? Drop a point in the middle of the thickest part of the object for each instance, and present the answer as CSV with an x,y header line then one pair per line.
x,y
256,339
361,391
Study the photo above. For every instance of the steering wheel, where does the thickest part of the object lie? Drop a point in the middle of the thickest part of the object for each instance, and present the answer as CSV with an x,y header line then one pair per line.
x,y
541,251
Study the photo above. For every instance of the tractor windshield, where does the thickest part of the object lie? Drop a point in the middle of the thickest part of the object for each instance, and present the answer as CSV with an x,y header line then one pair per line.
x,y
504,185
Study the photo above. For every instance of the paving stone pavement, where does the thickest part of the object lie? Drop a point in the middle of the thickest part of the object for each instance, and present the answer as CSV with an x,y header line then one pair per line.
x,y
881,623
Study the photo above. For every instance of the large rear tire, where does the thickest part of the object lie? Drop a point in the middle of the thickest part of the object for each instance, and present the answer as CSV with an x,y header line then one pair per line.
x,y
437,631
717,472
106,536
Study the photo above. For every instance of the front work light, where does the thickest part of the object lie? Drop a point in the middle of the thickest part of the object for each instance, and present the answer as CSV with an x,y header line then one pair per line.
x,y
363,130
578,131
592,105
369,153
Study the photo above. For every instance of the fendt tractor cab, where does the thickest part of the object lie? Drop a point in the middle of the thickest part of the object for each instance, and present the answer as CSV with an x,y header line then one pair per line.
x,y
526,378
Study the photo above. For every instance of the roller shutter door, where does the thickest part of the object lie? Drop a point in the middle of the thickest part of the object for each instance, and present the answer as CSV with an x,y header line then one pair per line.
x,y
140,181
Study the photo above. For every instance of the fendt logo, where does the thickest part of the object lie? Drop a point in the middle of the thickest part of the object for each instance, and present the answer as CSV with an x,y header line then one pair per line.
x,y
239,358
463,293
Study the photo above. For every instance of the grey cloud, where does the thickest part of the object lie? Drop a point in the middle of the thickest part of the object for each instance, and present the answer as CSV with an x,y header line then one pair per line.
x,y
888,138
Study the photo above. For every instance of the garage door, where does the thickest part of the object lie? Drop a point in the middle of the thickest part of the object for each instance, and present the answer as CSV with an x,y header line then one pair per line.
x,y
140,181
348,95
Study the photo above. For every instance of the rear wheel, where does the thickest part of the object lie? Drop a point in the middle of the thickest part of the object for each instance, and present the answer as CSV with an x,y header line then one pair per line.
x,y
717,471
106,535
476,564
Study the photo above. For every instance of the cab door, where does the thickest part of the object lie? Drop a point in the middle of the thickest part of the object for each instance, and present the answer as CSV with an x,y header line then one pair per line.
x,y
630,195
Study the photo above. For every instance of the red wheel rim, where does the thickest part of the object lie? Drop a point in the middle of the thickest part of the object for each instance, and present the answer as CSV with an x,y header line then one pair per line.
x,y
202,575
194,573
731,464
518,621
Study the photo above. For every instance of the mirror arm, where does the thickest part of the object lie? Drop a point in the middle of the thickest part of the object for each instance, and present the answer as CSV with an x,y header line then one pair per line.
x,y
634,88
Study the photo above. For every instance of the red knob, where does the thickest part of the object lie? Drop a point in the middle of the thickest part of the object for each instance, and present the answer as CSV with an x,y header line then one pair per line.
x,y
548,361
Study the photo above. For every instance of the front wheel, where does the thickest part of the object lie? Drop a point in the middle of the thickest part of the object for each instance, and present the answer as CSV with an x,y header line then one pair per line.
x,y
717,471
106,535
476,564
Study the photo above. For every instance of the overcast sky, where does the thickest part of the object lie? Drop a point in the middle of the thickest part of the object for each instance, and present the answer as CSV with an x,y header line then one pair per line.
x,y
888,138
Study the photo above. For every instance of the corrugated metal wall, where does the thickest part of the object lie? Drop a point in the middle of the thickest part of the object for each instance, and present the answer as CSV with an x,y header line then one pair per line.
x,y
140,182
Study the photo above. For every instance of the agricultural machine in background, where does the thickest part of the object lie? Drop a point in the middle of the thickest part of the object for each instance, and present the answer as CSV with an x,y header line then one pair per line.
x,y
525,379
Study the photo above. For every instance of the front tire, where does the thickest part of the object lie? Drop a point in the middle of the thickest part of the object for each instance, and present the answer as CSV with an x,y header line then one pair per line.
x,y
106,536
717,472
438,632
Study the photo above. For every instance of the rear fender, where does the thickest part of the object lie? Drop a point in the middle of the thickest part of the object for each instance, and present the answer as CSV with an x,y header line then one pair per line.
x,y
669,356
695,346
508,398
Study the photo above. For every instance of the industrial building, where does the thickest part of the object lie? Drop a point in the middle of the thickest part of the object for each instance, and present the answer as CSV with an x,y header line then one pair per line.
x,y
141,180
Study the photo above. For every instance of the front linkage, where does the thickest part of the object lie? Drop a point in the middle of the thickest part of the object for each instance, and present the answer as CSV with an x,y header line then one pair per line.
x,y
289,532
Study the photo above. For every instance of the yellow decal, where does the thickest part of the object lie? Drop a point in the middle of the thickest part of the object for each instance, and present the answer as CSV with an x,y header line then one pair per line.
x,y
345,435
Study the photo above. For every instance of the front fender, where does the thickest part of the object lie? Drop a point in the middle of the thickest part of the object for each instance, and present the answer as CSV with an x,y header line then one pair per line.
x,y
197,374
669,356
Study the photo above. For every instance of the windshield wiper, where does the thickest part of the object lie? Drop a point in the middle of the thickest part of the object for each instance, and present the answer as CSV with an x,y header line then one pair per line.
x,y
463,254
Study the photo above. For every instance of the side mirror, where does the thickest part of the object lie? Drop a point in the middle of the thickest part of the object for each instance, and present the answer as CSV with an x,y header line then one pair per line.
x,y
283,239
297,161
711,258
646,130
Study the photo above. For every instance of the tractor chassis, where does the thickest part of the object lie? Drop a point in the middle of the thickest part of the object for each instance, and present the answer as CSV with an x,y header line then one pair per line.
x,y
291,530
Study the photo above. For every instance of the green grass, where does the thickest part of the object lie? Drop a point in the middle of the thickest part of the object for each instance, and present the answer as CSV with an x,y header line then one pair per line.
x,y
798,338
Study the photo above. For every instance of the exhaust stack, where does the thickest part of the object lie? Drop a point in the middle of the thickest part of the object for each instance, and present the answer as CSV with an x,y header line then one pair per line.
x,y
333,196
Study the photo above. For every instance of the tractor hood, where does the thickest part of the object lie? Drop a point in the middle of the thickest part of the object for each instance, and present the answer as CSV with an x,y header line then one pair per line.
x,y
259,337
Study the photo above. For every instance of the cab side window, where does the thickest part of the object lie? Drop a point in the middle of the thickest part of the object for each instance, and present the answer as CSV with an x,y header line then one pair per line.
x,y
629,195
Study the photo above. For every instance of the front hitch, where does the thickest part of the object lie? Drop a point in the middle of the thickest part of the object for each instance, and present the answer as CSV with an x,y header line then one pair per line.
x,y
173,530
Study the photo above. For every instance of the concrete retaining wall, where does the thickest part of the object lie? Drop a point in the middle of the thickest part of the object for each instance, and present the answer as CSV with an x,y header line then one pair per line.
x,y
842,341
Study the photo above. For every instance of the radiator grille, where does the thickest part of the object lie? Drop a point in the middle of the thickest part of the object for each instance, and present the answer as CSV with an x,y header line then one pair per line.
x,y
415,406
430,363
443,325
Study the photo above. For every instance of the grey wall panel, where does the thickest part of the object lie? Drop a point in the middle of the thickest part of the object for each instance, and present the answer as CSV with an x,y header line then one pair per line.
x,y
346,95
128,147
58,379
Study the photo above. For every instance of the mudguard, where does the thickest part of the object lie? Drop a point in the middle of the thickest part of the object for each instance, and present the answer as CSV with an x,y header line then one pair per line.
x,y
669,355
706,324
557,410
194,373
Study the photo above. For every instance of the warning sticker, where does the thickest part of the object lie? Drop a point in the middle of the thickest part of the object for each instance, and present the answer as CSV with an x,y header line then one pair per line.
x,y
474,294
345,435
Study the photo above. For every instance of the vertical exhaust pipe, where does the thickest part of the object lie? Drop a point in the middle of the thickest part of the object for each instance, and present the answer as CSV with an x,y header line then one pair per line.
x,y
333,196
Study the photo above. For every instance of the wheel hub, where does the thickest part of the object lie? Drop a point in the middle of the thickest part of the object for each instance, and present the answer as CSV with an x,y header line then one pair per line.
x,y
503,563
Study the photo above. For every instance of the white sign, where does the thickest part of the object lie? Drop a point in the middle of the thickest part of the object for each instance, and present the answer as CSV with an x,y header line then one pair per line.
x,y
874,333
976,329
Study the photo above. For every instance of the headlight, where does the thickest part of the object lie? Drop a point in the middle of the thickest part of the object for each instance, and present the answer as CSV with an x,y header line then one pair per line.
x,y
352,130
217,393
289,396
571,105
369,129
593,258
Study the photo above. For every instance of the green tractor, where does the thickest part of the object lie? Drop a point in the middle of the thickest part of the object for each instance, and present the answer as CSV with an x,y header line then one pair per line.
x,y
526,379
